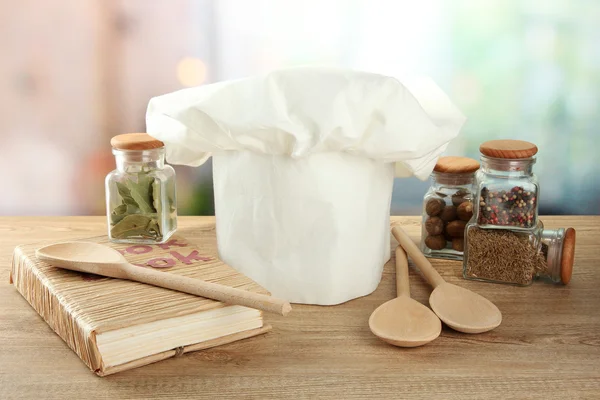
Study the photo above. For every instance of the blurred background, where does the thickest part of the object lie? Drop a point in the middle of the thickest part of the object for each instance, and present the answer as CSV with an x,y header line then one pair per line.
x,y
74,73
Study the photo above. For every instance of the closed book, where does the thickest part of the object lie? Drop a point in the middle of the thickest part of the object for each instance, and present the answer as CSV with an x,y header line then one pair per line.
x,y
114,325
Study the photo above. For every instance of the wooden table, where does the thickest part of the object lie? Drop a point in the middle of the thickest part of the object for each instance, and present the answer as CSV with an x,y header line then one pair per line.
x,y
548,345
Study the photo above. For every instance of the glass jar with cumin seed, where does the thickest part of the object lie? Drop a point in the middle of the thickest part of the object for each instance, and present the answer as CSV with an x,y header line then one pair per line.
x,y
519,256
447,206
140,194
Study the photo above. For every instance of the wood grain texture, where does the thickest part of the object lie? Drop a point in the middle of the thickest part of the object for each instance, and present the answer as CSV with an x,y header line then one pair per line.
x,y
568,256
402,277
94,258
403,321
548,345
135,141
81,308
508,149
461,309
456,165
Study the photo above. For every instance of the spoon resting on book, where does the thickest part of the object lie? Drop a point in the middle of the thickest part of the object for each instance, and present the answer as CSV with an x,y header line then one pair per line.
x,y
102,260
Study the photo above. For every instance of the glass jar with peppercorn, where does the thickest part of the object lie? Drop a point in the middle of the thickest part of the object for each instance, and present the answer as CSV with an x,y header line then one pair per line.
x,y
447,206
505,242
507,189
140,193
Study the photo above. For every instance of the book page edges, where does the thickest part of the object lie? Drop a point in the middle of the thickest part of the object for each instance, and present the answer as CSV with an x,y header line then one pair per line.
x,y
137,341
39,294
186,349
176,304
79,335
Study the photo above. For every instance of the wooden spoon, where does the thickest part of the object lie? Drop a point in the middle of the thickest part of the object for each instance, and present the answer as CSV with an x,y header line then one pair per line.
x,y
102,260
459,308
403,321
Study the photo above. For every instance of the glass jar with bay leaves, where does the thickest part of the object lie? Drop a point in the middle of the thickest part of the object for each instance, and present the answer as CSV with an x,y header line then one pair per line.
x,y
140,194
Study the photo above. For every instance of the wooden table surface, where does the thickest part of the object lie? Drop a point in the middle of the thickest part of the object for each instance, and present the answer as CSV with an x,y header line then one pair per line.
x,y
548,345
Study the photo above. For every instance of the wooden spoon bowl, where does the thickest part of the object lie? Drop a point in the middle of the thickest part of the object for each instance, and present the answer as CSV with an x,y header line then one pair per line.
x,y
459,308
464,310
403,321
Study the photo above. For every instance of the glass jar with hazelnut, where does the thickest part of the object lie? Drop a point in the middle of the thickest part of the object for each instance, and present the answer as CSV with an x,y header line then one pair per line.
x,y
447,207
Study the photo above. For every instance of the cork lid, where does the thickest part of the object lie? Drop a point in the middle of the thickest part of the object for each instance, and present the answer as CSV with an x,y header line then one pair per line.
x,y
508,149
135,141
568,256
456,165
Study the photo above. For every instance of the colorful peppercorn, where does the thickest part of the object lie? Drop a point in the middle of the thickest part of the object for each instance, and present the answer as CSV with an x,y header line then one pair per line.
x,y
516,207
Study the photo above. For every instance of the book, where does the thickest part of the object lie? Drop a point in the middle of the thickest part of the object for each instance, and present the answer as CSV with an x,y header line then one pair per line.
x,y
115,325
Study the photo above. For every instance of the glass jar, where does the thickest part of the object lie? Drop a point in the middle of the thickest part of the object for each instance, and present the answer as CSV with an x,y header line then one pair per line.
x,y
447,206
507,191
140,194
518,256
504,241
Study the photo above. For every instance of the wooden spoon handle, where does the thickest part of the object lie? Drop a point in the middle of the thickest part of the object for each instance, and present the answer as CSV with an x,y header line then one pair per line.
x,y
210,290
402,285
419,259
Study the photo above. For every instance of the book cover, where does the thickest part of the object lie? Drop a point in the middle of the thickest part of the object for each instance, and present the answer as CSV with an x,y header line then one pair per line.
x,y
80,308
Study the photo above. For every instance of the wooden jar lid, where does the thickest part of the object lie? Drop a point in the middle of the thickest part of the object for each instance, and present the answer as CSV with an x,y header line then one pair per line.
x,y
135,141
568,256
508,149
456,165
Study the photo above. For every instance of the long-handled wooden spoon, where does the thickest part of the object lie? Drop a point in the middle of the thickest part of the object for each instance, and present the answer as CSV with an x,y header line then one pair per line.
x,y
102,260
403,321
459,308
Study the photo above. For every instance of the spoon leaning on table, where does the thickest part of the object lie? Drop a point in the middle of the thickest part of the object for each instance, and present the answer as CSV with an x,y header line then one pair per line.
x,y
459,308
403,321
102,260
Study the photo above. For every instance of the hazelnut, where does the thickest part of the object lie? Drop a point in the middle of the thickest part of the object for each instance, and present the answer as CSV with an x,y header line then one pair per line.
x,y
448,237
459,197
456,229
465,211
435,242
458,244
434,207
434,226
448,214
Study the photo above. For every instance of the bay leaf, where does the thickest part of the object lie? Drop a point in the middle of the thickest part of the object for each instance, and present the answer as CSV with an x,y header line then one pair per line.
x,y
157,203
154,228
141,191
156,197
130,226
125,194
171,205
118,213
121,209
115,219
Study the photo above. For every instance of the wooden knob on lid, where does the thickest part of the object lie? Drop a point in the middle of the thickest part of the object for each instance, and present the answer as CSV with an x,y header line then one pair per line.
x,y
135,141
568,256
456,165
508,149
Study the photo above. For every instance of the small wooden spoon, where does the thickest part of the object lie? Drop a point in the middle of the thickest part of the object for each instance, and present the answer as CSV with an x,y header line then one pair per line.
x,y
459,308
102,260
403,321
